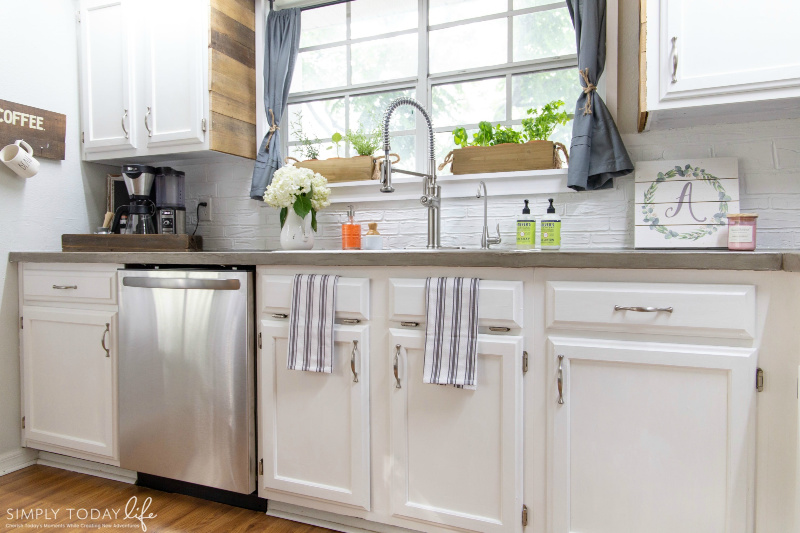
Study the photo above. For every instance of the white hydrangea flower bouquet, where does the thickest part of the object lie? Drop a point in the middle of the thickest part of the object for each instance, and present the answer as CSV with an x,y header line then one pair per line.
x,y
300,189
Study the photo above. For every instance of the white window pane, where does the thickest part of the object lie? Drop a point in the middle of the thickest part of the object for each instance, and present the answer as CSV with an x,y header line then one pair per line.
x,y
479,44
543,34
320,69
534,90
367,111
405,147
444,143
319,120
375,17
522,4
441,11
323,25
458,104
385,59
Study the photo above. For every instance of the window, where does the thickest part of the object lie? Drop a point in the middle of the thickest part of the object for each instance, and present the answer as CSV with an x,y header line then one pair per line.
x,y
478,60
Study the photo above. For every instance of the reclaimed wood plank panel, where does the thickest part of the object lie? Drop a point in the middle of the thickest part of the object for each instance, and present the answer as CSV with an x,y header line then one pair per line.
x,y
232,108
44,130
232,136
243,11
232,79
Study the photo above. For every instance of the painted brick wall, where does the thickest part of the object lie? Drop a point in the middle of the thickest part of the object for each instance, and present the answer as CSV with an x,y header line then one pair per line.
x,y
769,169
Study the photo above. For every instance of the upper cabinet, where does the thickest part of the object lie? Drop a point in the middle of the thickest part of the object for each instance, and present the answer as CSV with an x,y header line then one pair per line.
x,y
704,61
167,79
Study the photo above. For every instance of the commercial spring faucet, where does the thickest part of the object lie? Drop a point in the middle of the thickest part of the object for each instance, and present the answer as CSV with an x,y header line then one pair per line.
x,y
431,191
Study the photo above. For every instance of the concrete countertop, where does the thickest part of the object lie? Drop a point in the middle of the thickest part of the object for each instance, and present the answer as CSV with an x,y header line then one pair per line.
x,y
635,259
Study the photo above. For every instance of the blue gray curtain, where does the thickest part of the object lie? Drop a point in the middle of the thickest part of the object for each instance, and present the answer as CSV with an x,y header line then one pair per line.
x,y
281,43
597,154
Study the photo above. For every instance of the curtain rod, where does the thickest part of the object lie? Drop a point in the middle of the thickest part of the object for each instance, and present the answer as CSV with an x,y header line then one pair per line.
x,y
326,4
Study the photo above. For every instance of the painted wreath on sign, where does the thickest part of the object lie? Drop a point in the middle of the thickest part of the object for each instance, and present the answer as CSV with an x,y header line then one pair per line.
x,y
719,218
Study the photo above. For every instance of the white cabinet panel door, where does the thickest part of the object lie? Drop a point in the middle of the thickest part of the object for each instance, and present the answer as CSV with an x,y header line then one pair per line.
x,y
175,52
650,437
315,426
719,48
69,379
457,454
107,62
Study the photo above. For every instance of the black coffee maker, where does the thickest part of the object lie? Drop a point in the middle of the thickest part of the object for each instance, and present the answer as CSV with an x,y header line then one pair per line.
x,y
136,218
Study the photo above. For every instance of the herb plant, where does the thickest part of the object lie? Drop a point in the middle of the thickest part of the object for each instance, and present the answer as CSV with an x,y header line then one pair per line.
x,y
308,148
539,126
336,138
364,142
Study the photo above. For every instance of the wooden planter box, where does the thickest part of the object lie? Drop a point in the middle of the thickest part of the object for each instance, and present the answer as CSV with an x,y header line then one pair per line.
x,y
533,155
340,169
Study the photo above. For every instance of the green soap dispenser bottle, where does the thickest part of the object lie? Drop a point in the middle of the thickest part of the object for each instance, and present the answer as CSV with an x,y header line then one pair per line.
x,y
551,229
526,229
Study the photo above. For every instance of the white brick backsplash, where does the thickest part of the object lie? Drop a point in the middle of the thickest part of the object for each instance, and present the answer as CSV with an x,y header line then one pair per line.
x,y
769,168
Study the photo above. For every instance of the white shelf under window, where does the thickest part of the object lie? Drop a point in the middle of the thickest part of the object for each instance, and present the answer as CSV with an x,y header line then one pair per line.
x,y
463,186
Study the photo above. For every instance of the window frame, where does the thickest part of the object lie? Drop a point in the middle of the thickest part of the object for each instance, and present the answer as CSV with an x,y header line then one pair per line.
x,y
422,85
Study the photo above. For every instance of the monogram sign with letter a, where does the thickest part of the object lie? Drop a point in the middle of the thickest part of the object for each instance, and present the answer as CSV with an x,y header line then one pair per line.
x,y
685,204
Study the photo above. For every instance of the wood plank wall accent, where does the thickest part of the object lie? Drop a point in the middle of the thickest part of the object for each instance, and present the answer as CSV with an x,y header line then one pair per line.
x,y
232,77
642,122
44,130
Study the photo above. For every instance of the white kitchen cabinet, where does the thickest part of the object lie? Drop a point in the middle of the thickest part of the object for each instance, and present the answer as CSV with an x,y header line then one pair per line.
x,y
456,454
736,57
107,76
167,79
69,379
314,427
650,437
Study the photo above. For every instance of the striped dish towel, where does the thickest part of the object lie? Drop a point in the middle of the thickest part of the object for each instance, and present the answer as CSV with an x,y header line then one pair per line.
x,y
451,332
311,323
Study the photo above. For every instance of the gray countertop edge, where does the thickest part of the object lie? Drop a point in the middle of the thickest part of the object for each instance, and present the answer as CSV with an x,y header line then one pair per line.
x,y
625,259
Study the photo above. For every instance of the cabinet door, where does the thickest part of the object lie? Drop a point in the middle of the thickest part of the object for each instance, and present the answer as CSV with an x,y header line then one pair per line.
x,y
175,51
315,426
107,104
650,437
69,379
759,42
457,454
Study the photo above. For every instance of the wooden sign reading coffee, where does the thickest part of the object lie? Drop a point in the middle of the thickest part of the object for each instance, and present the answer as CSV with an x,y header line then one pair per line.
x,y
44,130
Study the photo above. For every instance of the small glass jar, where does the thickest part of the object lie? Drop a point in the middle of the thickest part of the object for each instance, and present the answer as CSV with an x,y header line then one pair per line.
x,y
742,231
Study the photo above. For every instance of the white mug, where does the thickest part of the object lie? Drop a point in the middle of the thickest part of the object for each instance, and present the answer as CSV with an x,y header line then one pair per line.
x,y
19,158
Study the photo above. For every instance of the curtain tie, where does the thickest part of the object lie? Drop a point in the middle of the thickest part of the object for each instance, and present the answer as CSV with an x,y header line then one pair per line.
x,y
272,129
588,90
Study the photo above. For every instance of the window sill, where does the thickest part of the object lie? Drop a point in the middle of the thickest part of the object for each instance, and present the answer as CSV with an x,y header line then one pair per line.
x,y
462,186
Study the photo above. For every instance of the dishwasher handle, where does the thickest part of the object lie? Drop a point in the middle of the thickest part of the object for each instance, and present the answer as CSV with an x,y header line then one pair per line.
x,y
182,283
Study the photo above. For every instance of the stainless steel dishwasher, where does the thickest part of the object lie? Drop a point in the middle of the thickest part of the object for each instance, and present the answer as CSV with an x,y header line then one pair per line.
x,y
186,376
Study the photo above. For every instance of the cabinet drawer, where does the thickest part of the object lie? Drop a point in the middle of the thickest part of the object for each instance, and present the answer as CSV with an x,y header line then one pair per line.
x,y
352,296
726,311
77,284
499,302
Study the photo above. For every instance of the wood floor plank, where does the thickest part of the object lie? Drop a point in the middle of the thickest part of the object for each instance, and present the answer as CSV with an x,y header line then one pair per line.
x,y
75,496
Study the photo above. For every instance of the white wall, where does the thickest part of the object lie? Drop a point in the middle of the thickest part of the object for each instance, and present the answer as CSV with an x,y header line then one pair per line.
x,y
39,66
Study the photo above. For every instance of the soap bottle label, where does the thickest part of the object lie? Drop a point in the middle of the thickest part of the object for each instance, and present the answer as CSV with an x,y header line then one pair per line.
x,y
551,233
526,233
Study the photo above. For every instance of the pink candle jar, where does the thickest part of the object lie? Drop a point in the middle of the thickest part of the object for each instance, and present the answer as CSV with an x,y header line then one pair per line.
x,y
742,231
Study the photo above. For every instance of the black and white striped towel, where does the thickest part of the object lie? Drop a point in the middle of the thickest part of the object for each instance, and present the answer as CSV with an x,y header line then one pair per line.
x,y
451,331
311,323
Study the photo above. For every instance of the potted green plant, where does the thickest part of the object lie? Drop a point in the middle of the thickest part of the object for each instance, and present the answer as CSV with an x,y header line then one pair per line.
x,y
504,149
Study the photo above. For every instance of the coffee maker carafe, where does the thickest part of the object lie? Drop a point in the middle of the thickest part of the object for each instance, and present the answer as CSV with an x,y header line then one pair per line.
x,y
140,210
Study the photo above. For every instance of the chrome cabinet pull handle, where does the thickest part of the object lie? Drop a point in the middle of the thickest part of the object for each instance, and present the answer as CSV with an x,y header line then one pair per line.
x,y
499,329
146,125
124,116
643,309
560,380
674,60
103,340
396,365
65,287
280,315
409,324
353,362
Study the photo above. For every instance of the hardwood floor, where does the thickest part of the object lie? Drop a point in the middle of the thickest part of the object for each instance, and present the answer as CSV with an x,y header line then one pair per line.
x,y
49,498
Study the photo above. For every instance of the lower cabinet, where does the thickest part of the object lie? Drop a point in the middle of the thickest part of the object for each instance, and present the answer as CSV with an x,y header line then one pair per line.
x,y
69,362
315,431
650,437
457,454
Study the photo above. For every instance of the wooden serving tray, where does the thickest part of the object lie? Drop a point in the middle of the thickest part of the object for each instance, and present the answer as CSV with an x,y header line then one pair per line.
x,y
131,243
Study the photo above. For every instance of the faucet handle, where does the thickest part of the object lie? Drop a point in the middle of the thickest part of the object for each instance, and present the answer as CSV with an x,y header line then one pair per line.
x,y
498,239
386,175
